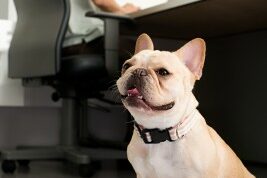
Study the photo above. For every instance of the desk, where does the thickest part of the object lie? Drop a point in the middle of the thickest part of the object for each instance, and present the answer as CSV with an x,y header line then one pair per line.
x,y
207,19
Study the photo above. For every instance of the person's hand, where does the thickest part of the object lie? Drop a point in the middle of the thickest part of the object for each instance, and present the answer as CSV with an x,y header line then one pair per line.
x,y
129,8
113,6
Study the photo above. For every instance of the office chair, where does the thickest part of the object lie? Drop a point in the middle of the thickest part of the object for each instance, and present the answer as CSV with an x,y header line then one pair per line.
x,y
35,57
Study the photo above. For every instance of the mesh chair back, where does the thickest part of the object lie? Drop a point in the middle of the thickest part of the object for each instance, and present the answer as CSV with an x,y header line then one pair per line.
x,y
37,40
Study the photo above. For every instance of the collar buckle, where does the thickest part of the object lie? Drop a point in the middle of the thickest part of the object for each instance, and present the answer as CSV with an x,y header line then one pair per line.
x,y
158,136
154,136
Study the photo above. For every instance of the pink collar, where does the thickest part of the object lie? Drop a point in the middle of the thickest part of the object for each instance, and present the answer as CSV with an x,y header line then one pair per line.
x,y
153,136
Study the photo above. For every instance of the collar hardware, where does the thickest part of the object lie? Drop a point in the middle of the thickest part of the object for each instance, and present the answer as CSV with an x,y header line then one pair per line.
x,y
154,136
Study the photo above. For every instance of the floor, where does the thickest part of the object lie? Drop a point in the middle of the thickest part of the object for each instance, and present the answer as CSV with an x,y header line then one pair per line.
x,y
108,169
56,169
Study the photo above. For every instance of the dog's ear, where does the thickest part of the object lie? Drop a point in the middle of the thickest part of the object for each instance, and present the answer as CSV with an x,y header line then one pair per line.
x,y
193,55
143,42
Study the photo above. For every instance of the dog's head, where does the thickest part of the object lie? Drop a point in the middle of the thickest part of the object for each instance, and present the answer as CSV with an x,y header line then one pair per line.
x,y
157,84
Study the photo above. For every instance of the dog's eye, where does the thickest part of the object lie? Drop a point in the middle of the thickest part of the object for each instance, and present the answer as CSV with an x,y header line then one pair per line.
x,y
163,72
126,66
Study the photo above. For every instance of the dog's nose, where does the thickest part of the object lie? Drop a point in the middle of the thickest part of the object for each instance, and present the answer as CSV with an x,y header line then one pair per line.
x,y
140,72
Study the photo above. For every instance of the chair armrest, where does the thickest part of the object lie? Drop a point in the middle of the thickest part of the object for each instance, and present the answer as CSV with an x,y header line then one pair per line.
x,y
105,15
111,39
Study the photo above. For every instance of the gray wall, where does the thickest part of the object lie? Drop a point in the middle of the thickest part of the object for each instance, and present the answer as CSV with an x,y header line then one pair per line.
x,y
28,126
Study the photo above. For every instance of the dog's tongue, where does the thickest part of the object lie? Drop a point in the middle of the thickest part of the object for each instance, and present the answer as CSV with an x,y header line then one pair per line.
x,y
133,92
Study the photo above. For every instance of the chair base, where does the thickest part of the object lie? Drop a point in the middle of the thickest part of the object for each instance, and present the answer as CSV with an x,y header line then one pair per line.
x,y
73,155
77,155
73,112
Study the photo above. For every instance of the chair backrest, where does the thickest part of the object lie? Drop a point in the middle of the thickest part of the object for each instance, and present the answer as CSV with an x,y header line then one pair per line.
x,y
37,40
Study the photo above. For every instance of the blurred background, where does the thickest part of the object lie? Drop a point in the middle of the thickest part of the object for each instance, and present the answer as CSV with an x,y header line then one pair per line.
x,y
231,93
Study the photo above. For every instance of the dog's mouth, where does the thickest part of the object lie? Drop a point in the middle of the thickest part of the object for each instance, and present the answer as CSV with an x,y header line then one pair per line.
x,y
134,98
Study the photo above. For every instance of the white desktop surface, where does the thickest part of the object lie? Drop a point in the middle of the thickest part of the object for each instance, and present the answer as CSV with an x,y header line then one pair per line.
x,y
170,4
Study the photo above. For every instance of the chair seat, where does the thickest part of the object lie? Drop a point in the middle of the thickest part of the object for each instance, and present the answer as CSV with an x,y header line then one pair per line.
x,y
89,66
81,76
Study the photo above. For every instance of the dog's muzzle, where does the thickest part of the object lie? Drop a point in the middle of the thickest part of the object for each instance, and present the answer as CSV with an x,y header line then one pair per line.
x,y
134,87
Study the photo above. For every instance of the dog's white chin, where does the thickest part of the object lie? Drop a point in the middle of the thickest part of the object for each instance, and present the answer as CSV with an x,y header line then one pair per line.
x,y
166,118
156,120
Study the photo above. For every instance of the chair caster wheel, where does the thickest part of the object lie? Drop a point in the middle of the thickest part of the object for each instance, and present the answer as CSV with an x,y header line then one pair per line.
x,y
55,96
85,170
24,163
8,166
88,170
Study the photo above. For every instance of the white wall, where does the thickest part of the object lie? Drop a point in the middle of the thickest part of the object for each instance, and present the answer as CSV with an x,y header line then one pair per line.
x,y
12,14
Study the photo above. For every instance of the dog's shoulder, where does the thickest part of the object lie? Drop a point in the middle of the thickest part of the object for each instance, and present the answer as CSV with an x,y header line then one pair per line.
x,y
232,165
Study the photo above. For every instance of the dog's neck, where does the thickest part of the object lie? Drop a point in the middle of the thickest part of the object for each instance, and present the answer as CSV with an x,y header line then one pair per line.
x,y
154,136
170,119
177,122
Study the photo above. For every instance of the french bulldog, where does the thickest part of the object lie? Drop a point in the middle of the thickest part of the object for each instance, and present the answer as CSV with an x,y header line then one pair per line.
x,y
171,138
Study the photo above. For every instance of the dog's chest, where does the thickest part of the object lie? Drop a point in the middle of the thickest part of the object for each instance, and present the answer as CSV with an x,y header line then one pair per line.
x,y
164,160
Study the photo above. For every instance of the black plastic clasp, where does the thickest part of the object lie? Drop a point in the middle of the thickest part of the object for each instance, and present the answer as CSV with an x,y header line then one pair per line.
x,y
157,136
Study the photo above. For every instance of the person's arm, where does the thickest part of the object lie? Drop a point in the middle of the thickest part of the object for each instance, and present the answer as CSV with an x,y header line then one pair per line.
x,y
113,6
